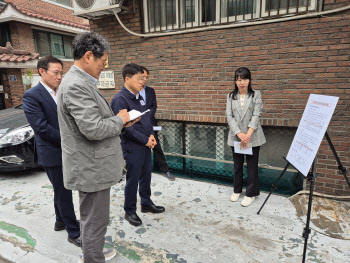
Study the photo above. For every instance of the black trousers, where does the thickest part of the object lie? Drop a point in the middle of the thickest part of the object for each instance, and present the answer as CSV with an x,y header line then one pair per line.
x,y
253,188
139,173
63,201
159,156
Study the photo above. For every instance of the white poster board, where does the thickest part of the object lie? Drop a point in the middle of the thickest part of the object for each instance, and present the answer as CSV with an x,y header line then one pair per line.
x,y
313,125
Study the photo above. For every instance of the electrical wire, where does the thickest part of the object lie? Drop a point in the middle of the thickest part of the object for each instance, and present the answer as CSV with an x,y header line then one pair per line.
x,y
309,15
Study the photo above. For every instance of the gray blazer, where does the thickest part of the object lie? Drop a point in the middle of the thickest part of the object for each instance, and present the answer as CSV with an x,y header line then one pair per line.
x,y
239,120
91,152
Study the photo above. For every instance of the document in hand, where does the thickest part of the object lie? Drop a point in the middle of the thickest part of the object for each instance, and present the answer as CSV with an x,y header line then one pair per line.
x,y
238,149
134,114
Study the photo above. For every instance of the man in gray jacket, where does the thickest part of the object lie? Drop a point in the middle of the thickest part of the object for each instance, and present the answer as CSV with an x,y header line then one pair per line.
x,y
91,152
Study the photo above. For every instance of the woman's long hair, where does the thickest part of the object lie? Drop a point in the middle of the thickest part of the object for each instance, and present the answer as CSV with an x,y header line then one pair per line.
x,y
242,73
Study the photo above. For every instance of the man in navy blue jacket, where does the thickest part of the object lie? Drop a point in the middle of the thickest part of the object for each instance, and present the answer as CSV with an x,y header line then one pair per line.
x,y
40,108
137,142
149,96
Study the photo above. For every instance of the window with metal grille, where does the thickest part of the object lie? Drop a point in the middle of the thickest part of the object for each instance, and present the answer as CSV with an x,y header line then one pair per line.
x,y
169,15
200,151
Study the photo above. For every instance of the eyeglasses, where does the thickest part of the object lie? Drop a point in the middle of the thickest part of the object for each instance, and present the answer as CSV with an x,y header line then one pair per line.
x,y
105,62
141,79
56,72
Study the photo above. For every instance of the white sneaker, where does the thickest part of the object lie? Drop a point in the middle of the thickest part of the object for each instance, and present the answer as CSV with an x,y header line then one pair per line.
x,y
109,253
235,197
247,201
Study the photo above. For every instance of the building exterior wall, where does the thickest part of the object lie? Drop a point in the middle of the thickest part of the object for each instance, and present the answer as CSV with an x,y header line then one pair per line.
x,y
22,39
192,73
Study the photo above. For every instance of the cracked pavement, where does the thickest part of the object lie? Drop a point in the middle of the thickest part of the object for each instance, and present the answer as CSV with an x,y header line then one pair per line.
x,y
200,225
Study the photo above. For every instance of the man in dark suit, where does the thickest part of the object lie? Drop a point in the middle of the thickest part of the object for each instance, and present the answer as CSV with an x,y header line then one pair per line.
x,y
137,142
149,96
40,107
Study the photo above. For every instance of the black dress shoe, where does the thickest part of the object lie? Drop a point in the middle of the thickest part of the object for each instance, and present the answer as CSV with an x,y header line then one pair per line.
x,y
133,219
169,176
74,240
59,226
152,209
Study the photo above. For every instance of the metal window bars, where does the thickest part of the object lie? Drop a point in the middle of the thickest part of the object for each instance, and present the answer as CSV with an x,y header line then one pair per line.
x,y
175,15
200,151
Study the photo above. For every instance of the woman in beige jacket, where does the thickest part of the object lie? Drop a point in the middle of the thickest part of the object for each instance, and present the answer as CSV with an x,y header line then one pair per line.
x,y
243,110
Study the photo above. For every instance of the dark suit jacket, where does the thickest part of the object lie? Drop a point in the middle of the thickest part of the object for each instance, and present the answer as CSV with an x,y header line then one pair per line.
x,y
151,103
137,135
41,112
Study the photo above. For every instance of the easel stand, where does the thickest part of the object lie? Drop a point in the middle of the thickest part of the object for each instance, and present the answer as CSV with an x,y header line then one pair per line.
x,y
311,177
274,186
341,168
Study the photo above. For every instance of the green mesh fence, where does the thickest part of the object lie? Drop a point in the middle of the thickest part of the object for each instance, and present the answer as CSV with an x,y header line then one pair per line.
x,y
200,151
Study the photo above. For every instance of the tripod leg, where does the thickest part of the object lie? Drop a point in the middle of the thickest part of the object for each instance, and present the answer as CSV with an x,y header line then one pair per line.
x,y
341,168
273,187
307,230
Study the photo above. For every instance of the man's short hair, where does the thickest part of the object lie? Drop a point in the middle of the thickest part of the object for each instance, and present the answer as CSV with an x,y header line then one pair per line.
x,y
130,70
89,41
145,69
45,61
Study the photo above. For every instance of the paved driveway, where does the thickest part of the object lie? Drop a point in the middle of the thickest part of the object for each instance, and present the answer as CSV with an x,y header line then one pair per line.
x,y
200,225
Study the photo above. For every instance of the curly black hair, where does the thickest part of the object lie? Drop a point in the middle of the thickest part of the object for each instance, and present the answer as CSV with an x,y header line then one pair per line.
x,y
89,41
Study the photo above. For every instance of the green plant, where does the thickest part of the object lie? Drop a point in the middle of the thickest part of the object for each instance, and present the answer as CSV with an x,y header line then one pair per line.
x,y
30,73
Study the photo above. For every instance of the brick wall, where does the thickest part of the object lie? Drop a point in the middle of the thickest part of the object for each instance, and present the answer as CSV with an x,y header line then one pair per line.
x,y
22,36
14,89
192,73
22,39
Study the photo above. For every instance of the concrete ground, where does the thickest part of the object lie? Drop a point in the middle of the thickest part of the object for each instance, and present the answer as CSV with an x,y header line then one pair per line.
x,y
200,224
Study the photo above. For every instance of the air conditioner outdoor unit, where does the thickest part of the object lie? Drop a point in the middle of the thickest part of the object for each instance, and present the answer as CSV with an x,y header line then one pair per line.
x,y
93,9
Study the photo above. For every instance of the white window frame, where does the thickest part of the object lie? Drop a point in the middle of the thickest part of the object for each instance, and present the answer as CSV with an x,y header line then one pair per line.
x,y
199,11
283,11
246,16
149,29
217,14
61,5
183,14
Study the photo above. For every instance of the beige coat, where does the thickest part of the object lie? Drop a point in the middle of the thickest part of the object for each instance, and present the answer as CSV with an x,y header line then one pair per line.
x,y
91,152
239,120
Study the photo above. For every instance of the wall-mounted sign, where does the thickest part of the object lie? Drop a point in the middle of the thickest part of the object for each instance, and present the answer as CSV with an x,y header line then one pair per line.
x,y
106,80
6,96
12,78
1,89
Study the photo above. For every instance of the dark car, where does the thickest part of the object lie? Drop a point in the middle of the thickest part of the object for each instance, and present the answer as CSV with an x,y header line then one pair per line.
x,y
16,141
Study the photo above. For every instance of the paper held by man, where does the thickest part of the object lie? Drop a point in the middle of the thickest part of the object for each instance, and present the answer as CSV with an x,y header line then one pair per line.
x,y
134,114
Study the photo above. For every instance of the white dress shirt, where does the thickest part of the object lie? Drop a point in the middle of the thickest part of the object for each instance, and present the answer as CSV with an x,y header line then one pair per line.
x,y
50,91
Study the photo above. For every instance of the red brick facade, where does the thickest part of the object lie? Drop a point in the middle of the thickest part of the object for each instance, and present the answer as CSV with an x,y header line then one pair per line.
x,y
22,38
192,73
